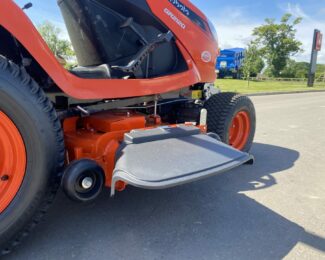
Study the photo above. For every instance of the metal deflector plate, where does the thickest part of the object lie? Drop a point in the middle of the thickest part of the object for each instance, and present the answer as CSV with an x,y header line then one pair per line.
x,y
158,163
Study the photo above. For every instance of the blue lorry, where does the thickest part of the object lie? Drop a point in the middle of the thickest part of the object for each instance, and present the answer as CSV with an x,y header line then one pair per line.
x,y
230,62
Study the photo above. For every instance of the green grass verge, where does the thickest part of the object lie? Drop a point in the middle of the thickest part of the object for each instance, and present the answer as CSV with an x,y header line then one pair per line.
x,y
241,86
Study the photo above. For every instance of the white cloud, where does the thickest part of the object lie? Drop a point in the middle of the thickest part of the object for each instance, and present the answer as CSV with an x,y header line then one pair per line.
x,y
234,35
305,31
236,31
296,10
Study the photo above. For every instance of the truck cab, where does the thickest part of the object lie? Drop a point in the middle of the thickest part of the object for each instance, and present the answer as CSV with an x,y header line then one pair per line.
x,y
230,62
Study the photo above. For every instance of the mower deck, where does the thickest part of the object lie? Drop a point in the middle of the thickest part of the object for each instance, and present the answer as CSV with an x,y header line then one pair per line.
x,y
165,157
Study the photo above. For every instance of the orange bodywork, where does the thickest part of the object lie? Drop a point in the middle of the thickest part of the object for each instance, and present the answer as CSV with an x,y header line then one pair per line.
x,y
195,40
12,161
191,43
239,130
99,137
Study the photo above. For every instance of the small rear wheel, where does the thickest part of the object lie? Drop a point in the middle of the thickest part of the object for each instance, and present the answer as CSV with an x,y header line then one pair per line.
x,y
233,118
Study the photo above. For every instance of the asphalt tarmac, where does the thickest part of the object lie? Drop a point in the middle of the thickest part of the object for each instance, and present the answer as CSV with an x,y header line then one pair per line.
x,y
271,210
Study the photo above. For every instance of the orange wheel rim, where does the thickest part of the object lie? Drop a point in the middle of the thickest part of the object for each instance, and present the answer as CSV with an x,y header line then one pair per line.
x,y
240,130
12,161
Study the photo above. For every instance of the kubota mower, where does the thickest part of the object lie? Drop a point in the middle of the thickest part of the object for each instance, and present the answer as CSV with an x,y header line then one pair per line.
x,y
140,108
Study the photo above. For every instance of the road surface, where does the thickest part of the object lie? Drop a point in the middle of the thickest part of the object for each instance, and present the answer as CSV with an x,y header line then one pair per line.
x,y
274,209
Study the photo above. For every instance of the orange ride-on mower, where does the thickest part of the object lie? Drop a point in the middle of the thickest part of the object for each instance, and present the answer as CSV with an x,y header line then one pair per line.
x,y
140,108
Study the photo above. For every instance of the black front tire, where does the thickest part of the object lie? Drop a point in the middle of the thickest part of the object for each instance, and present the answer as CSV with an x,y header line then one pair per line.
x,y
222,108
25,103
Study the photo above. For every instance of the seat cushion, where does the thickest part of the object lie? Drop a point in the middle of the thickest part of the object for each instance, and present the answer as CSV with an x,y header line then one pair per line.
x,y
93,72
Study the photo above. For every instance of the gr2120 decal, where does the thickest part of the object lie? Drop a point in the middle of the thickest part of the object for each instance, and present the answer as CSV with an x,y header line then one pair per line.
x,y
175,18
189,13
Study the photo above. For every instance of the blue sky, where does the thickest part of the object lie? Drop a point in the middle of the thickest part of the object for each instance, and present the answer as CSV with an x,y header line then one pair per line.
x,y
234,19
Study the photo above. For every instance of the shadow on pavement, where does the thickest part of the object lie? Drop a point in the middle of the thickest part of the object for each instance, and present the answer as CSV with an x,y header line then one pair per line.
x,y
210,219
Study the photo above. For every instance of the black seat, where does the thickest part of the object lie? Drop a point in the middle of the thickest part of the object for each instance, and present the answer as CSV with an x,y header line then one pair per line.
x,y
94,72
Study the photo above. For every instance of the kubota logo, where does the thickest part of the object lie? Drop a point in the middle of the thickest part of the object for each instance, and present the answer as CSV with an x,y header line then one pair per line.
x,y
206,56
175,18
180,7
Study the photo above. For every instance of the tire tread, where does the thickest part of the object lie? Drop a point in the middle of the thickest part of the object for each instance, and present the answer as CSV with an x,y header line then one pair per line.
x,y
39,99
219,109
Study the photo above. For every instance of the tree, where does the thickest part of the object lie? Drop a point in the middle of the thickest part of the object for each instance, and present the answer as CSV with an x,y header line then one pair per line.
x,y
60,47
277,42
295,69
253,63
